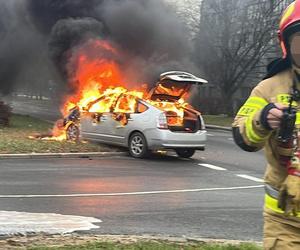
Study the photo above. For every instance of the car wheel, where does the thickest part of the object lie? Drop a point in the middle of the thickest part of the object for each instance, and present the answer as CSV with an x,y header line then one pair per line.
x,y
72,133
185,153
138,145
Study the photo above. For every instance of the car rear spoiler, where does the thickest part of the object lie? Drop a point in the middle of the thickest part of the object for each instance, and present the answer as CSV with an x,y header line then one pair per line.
x,y
180,76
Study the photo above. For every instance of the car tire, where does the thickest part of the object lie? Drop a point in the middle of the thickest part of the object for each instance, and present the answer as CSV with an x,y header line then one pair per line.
x,y
72,132
185,153
138,147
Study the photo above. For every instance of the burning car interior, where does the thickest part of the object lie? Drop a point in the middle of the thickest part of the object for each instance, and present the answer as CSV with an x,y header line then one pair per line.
x,y
121,103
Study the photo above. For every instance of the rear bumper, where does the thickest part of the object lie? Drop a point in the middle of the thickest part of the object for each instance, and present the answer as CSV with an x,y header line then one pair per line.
x,y
160,138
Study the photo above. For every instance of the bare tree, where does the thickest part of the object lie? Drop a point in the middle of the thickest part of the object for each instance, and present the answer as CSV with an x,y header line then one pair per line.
x,y
234,36
189,12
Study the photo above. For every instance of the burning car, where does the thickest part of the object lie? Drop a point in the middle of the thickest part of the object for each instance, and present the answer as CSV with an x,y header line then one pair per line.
x,y
161,120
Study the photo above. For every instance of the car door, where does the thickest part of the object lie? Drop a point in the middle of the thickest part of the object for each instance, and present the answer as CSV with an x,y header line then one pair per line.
x,y
133,119
95,126
104,128
86,124
124,111
96,123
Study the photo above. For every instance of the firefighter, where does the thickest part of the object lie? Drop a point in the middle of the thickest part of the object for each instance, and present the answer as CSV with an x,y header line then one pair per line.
x,y
270,119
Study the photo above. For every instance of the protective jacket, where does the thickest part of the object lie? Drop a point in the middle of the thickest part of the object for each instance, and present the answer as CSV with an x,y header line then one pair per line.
x,y
251,135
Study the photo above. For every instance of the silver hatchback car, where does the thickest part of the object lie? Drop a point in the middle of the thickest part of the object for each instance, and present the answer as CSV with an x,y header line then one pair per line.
x,y
150,126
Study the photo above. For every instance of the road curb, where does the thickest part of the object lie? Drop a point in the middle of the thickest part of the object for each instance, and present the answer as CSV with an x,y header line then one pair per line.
x,y
60,155
219,127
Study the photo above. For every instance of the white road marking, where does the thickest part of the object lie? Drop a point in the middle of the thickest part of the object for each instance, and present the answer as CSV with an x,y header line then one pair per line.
x,y
129,193
12,222
249,177
210,135
230,139
212,167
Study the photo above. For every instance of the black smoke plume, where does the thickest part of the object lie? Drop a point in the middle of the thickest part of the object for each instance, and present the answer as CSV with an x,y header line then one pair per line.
x,y
68,33
45,13
148,32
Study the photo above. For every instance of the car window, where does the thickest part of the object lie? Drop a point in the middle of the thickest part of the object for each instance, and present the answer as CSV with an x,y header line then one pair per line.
x,y
126,104
141,108
103,104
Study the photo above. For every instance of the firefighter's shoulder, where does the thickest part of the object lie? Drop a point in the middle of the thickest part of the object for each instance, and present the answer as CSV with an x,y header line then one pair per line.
x,y
277,84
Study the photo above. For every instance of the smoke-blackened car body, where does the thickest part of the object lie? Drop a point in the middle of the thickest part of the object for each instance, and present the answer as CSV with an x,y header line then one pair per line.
x,y
161,120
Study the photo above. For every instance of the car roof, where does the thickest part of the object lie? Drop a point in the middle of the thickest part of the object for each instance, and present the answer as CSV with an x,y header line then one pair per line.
x,y
181,76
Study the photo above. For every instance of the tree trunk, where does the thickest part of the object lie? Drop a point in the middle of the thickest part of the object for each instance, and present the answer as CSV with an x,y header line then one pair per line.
x,y
228,104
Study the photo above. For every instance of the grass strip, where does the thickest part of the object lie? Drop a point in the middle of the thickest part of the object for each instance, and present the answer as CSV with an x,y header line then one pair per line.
x,y
218,120
152,246
15,139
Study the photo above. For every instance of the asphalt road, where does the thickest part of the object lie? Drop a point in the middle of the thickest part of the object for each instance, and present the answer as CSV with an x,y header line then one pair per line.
x,y
178,198
163,195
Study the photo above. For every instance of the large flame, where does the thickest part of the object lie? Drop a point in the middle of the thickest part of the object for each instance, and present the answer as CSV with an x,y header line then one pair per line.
x,y
92,72
98,82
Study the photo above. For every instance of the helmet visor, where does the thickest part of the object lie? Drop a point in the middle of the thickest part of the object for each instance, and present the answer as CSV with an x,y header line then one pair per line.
x,y
295,48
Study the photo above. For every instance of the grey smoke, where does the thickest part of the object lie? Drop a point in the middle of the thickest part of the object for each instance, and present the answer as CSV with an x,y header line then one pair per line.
x,y
24,61
9,64
152,34
145,27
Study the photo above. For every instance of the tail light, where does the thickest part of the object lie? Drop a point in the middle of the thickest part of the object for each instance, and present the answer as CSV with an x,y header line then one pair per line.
x,y
202,124
162,122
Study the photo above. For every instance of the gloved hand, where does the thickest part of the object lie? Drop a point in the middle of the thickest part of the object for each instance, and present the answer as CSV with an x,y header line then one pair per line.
x,y
289,195
271,115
